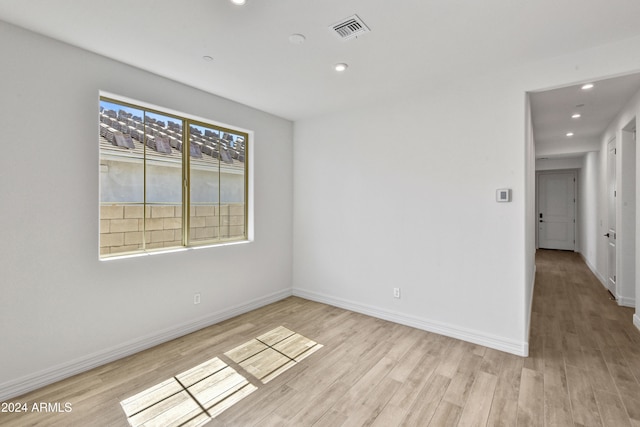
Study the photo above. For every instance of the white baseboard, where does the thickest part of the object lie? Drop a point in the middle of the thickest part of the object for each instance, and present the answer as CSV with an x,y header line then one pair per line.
x,y
594,271
626,302
623,301
464,334
19,386
636,321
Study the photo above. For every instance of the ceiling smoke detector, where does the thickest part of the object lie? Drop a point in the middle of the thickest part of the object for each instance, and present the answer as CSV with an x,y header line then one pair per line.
x,y
349,28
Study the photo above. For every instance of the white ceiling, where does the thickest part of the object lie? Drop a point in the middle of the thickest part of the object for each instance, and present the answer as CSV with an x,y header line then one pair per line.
x,y
552,110
413,44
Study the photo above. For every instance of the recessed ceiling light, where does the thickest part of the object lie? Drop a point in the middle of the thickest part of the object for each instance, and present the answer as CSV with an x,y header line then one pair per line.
x,y
576,116
587,86
239,2
341,67
569,134
297,38
207,58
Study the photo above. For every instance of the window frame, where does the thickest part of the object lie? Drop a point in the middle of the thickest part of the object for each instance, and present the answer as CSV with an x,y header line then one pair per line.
x,y
186,121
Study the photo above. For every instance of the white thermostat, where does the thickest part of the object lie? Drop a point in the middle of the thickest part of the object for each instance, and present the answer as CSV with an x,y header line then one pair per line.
x,y
503,195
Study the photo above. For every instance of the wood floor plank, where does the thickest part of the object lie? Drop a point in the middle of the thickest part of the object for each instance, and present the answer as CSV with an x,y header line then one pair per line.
x,y
583,401
403,399
531,398
295,346
272,420
256,406
459,388
322,403
449,365
266,363
492,361
404,340
535,361
365,385
557,404
476,410
572,351
612,410
364,413
628,388
427,401
274,336
246,350
504,406
447,414
553,360
631,354
413,359
598,371
466,374
330,419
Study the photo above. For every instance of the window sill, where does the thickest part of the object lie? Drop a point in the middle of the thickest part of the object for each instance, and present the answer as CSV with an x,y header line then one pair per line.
x,y
171,250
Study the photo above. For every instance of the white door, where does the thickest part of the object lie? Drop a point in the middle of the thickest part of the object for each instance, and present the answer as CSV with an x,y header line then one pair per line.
x,y
556,210
611,233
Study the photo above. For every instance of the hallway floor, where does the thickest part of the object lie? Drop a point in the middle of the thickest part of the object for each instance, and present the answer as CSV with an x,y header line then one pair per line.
x,y
584,349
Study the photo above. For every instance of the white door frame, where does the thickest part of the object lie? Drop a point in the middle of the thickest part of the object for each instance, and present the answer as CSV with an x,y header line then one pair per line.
x,y
575,205
613,210
626,216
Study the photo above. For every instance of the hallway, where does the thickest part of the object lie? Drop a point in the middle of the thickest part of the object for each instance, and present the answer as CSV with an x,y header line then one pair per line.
x,y
584,349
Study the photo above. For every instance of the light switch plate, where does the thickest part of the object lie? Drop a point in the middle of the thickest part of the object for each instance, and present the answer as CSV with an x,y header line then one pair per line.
x,y
503,195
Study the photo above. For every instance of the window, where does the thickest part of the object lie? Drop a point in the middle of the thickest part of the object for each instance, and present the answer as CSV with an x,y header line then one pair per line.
x,y
168,181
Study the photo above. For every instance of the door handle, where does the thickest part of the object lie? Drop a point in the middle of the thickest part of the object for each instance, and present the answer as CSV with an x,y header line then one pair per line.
x,y
606,235
541,221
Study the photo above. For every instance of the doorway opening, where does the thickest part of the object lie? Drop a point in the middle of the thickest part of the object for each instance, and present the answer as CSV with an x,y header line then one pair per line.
x,y
591,132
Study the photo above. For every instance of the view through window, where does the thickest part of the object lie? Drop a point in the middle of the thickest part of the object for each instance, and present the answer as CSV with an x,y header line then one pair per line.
x,y
156,193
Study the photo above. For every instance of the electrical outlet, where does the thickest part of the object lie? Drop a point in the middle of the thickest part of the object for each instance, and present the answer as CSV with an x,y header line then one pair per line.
x,y
396,292
196,298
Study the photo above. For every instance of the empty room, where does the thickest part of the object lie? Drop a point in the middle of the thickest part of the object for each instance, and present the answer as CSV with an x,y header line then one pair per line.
x,y
298,213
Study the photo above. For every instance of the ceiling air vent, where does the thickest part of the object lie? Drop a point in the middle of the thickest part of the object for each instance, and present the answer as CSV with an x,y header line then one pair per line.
x,y
350,27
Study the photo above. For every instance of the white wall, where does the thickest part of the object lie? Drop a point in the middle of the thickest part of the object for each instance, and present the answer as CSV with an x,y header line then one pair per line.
x,y
61,309
411,187
591,222
627,228
404,214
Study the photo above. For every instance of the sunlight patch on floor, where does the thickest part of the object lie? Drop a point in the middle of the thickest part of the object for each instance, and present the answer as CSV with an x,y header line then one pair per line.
x,y
191,398
194,397
272,353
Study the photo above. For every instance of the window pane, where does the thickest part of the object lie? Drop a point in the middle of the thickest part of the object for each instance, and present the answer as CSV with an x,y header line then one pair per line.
x,y
121,178
143,183
232,186
205,184
163,219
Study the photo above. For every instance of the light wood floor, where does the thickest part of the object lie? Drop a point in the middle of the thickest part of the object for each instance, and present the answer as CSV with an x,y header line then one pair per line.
x,y
584,368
